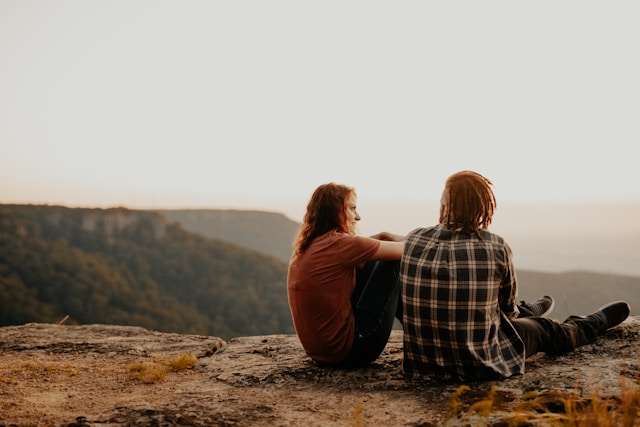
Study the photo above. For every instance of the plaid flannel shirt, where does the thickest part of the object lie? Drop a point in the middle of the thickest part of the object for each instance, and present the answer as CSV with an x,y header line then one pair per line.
x,y
458,292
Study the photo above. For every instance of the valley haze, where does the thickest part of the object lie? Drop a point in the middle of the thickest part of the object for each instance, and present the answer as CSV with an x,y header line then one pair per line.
x,y
601,237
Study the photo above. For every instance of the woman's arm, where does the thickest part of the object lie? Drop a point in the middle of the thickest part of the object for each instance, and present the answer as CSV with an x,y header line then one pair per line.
x,y
389,250
386,236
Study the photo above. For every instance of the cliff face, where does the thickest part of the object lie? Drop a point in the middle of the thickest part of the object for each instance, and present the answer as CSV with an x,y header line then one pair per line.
x,y
58,375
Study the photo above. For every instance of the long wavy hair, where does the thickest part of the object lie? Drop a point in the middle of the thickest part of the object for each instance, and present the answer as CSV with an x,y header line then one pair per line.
x,y
326,211
471,202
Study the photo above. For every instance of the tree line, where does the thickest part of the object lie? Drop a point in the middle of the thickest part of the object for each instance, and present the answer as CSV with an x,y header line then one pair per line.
x,y
130,267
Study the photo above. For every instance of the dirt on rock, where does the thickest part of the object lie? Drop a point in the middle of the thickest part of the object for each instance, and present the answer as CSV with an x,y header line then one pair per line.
x,y
89,375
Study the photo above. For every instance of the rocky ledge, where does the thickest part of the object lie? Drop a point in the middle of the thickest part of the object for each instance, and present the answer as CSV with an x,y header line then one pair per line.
x,y
58,375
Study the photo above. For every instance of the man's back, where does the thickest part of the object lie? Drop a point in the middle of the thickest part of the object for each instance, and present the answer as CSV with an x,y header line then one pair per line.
x,y
458,289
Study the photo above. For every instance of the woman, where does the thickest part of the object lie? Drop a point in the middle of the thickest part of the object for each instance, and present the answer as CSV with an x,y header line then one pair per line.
x,y
343,288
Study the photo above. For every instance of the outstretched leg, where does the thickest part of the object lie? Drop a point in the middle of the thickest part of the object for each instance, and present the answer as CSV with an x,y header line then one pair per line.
x,y
545,335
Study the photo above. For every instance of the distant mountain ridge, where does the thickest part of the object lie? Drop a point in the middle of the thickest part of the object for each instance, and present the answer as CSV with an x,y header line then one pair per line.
x,y
267,232
579,292
157,270
126,267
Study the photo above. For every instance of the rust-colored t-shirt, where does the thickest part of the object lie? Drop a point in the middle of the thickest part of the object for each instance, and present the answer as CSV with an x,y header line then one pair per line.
x,y
319,285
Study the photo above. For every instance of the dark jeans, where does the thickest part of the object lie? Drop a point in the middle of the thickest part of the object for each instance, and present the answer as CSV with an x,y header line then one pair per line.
x,y
375,303
524,310
545,335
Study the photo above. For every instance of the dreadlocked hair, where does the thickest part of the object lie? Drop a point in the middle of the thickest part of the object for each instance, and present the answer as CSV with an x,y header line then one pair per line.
x,y
325,212
471,202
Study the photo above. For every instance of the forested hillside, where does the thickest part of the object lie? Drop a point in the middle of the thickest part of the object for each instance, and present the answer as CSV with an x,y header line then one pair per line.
x,y
267,232
129,267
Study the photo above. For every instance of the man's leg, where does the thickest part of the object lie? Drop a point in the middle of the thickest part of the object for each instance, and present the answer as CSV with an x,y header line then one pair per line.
x,y
545,335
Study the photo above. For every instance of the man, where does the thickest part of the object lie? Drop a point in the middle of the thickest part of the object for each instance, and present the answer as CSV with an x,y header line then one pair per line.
x,y
459,293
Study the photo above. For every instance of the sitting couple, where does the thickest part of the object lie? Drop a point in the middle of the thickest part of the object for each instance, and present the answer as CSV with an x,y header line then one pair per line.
x,y
453,286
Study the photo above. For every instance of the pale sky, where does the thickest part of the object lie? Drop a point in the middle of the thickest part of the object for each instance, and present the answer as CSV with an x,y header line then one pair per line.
x,y
253,104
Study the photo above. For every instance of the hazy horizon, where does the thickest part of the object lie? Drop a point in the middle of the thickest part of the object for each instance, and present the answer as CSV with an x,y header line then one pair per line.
x,y
153,104
553,237
160,103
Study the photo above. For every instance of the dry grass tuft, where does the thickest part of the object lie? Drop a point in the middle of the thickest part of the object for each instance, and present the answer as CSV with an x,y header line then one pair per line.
x,y
555,408
13,374
7,380
178,363
356,421
152,372
455,404
146,372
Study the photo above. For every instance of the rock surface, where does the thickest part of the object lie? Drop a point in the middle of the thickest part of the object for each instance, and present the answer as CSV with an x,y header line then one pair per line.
x,y
57,375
